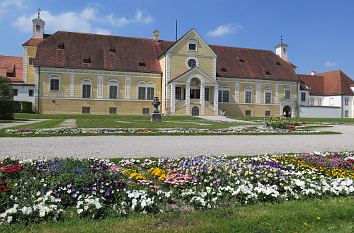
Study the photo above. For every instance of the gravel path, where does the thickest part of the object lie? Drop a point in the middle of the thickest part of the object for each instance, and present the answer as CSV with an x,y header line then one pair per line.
x,y
159,146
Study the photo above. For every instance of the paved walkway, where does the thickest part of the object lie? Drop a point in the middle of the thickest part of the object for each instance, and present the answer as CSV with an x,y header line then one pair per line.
x,y
223,119
18,123
160,146
68,123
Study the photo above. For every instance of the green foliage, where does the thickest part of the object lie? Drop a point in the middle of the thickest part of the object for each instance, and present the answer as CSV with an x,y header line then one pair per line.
x,y
7,104
23,107
280,122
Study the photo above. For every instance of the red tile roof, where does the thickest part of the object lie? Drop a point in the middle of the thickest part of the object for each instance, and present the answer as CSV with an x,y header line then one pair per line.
x,y
328,83
35,41
131,51
11,67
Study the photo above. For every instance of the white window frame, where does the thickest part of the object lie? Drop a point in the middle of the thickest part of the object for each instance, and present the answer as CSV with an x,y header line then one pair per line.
x,y
222,89
244,94
86,81
115,83
145,85
287,89
268,90
51,77
192,41
346,101
301,96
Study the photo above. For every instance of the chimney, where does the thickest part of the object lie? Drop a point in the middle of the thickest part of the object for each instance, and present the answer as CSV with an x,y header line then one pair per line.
x,y
313,73
156,35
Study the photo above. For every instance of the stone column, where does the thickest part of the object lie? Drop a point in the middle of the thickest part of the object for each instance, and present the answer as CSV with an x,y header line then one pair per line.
x,y
188,97
127,87
258,93
173,98
216,96
72,84
276,96
202,98
100,87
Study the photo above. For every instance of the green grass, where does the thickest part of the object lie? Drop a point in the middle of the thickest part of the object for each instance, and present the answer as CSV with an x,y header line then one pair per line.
x,y
326,215
52,123
138,121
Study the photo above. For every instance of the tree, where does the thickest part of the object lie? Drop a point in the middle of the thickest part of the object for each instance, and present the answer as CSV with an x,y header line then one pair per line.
x,y
7,103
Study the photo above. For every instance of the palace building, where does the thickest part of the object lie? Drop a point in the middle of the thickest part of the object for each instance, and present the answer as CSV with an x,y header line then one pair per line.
x,y
81,73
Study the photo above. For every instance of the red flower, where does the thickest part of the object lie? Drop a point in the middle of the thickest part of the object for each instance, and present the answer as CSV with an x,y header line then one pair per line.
x,y
2,165
3,186
291,127
12,169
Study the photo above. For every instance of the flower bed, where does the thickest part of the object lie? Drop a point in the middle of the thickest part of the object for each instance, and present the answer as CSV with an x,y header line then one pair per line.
x,y
47,190
156,131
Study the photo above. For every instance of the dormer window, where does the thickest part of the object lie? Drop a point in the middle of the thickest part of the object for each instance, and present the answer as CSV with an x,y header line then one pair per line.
x,y
278,63
87,60
267,73
142,63
112,50
61,46
223,69
241,60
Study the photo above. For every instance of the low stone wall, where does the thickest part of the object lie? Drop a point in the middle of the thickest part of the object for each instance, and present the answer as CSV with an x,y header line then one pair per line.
x,y
320,112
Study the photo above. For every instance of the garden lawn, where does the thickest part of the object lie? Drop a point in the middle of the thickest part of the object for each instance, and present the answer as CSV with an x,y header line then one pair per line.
x,y
137,121
317,215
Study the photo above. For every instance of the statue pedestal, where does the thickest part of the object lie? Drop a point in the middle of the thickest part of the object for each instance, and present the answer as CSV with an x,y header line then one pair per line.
x,y
156,117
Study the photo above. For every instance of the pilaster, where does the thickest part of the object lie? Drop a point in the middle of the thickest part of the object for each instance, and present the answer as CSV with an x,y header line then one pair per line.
x,y
72,84
237,91
173,98
216,96
188,97
202,98
127,87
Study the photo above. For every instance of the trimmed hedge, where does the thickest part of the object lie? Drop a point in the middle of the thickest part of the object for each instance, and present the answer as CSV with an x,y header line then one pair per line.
x,y
23,107
7,109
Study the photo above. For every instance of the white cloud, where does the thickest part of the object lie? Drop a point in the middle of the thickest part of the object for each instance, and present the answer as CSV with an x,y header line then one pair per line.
x,y
87,20
10,5
139,17
223,30
331,64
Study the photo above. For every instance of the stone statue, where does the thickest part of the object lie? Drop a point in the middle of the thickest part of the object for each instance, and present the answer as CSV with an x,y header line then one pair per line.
x,y
156,103
156,115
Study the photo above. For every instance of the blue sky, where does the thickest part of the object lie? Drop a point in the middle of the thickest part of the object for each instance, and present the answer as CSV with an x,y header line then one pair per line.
x,y
320,33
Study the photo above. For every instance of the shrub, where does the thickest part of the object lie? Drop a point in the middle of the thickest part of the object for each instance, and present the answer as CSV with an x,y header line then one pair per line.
x,y
281,122
7,104
23,107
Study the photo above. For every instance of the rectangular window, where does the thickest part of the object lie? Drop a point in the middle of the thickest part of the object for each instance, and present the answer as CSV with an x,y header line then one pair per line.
x,y
331,101
311,101
303,96
248,97
30,92
31,61
192,47
287,94
113,110
346,113
113,92
178,93
206,94
86,91
54,84
268,98
145,110
141,94
319,101
86,110
15,92
346,101
224,95
150,93
267,113
248,113
195,94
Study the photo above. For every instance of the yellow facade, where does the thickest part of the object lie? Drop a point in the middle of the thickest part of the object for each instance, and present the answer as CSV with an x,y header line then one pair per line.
x,y
176,74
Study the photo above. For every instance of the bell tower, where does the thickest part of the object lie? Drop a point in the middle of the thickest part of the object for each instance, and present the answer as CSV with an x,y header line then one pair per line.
x,y
282,50
38,27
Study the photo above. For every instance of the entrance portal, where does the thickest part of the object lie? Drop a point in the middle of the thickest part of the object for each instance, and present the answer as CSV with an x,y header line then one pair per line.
x,y
287,111
195,111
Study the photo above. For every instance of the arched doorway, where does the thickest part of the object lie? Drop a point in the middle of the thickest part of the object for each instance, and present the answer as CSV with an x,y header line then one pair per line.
x,y
195,111
287,111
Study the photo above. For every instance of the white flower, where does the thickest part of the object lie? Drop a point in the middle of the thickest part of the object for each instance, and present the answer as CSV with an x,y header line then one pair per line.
x,y
79,211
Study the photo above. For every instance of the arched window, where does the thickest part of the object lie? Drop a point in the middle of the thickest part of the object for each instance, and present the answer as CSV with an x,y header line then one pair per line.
x,y
86,87
54,82
146,91
113,89
248,95
268,96
38,28
224,94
